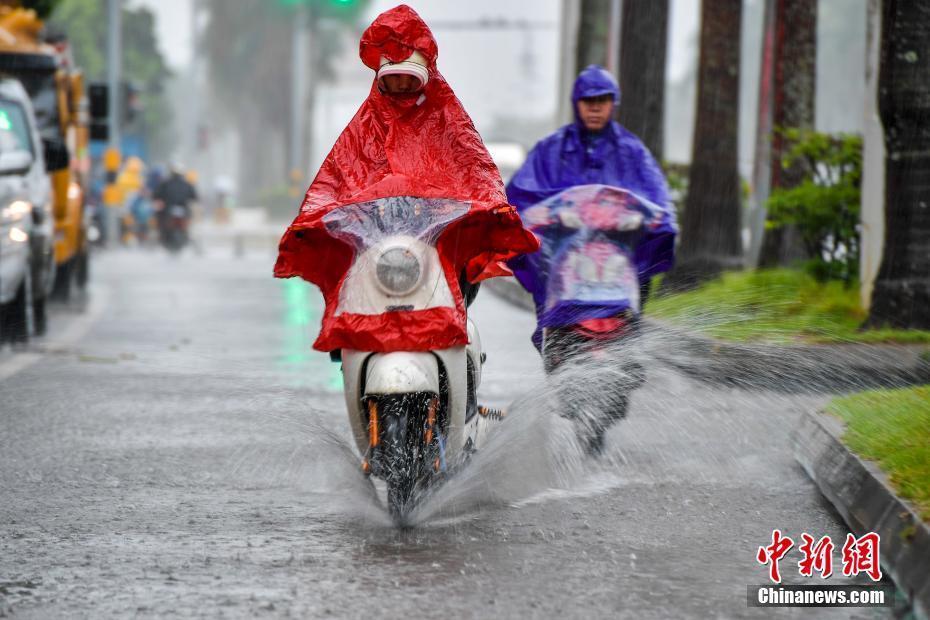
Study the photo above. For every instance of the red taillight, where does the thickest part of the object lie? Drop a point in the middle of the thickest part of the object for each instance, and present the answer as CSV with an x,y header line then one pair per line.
x,y
602,329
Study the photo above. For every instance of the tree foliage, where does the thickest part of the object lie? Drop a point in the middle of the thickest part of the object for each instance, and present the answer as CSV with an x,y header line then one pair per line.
x,y
85,23
824,205
248,47
43,8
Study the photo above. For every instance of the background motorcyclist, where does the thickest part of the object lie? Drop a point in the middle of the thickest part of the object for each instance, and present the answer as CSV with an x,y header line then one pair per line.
x,y
594,149
174,191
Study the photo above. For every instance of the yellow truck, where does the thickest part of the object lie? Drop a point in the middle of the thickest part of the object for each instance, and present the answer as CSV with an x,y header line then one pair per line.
x,y
56,88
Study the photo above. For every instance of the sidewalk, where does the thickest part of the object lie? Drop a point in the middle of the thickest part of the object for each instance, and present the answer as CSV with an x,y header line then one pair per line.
x,y
248,230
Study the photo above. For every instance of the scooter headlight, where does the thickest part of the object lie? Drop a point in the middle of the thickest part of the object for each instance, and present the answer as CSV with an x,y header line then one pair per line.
x,y
398,271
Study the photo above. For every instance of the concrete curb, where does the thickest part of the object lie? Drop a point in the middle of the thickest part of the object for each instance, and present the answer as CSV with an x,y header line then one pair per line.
x,y
797,368
861,494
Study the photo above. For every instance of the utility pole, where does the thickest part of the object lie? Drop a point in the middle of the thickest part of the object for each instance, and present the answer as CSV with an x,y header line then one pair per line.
x,y
111,159
571,18
114,46
300,68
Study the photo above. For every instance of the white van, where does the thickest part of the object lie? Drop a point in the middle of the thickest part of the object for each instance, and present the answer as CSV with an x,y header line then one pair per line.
x,y
27,262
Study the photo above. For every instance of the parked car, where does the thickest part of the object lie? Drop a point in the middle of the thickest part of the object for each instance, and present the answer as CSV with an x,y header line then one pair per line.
x,y
27,259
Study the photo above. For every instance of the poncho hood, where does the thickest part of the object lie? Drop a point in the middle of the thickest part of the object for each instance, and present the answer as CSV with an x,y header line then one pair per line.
x,y
422,145
396,34
593,81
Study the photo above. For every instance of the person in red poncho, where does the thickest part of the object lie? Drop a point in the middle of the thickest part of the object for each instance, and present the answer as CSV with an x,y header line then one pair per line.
x,y
410,137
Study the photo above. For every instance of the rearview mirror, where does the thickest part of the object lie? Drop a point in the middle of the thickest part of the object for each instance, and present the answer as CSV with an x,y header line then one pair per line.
x,y
56,154
15,162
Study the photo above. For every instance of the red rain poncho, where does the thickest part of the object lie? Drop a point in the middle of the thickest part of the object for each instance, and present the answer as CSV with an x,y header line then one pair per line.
x,y
422,145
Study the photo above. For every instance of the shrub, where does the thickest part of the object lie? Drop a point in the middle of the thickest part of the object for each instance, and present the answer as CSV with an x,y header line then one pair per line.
x,y
824,207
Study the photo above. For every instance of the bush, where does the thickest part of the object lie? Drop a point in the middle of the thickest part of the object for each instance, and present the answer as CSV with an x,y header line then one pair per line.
x,y
676,175
824,207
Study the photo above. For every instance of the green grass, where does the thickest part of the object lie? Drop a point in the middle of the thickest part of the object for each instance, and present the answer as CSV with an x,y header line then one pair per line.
x,y
778,306
892,428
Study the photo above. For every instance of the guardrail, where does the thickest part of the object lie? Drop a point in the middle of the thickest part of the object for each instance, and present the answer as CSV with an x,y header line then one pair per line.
x,y
248,229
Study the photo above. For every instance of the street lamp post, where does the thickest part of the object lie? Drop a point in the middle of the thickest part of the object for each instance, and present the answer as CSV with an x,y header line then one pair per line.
x,y
300,68
114,43
111,197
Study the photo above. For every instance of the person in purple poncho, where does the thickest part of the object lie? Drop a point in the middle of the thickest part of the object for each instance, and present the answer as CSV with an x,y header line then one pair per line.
x,y
594,150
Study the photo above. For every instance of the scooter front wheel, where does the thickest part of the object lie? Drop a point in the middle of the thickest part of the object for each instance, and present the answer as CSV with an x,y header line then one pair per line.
x,y
403,452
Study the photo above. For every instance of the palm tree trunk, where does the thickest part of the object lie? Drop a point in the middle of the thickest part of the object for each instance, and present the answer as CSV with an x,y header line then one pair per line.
x,y
593,30
794,89
644,32
710,232
901,297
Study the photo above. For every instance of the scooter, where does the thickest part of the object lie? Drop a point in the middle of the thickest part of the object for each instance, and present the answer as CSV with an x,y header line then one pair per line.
x,y
588,297
414,414
174,227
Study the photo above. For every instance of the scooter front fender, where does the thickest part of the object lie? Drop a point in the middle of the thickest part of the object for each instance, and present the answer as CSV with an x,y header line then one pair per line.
x,y
367,374
402,373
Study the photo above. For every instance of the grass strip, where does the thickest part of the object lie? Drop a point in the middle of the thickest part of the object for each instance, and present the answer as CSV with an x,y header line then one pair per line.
x,y
892,428
778,306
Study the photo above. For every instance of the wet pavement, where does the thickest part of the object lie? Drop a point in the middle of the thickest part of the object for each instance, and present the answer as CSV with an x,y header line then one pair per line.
x,y
179,450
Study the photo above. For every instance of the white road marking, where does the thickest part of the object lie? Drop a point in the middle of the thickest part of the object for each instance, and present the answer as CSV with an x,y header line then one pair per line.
x,y
76,330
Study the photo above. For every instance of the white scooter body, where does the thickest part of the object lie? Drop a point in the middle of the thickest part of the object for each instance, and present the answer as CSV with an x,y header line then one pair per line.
x,y
367,373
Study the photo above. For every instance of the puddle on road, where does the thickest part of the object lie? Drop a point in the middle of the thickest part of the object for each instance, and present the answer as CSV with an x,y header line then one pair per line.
x,y
732,428
303,307
533,456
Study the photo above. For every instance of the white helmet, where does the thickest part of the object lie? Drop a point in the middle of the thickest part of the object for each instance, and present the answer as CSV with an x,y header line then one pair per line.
x,y
415,66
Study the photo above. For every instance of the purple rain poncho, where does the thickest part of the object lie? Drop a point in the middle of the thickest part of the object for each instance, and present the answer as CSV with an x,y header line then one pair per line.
x,y
573,156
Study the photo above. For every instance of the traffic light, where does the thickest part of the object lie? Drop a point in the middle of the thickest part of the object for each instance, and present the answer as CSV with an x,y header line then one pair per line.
x,y
328,8
98,95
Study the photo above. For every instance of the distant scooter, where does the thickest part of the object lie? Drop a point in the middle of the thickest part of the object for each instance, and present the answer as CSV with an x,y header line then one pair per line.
x,y
175,222
587,293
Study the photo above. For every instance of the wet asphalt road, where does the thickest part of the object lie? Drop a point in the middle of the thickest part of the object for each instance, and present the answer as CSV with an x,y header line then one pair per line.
x,y
178,450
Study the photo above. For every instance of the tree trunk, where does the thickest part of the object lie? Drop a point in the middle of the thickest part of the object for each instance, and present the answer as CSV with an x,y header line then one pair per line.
x,y
901,297
710,231
593,31
643,39
794,89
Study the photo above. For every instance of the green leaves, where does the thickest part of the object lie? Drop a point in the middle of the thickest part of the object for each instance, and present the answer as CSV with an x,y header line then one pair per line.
x,y
825,205
43,8
85,23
